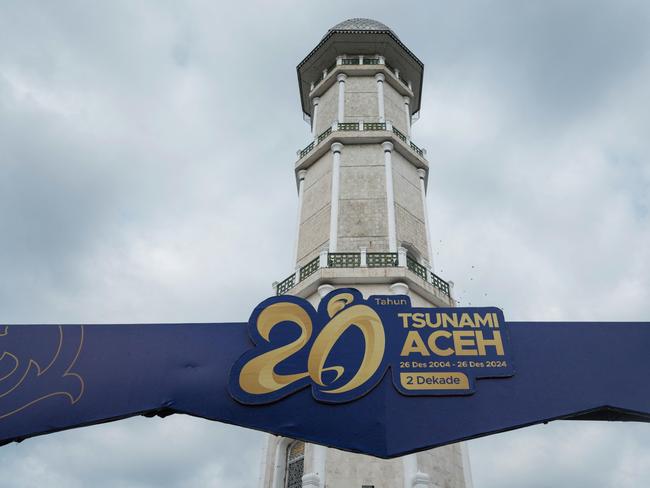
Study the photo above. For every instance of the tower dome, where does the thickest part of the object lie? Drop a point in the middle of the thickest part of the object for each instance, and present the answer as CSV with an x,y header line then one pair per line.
x,y
358,24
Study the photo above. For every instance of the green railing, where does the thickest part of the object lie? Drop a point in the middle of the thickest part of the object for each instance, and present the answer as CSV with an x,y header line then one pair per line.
x,y
416,267
417,149
439,283
355,61
323,135
309,269
344,259
399,134
374,126
381,259
285,285
356,126
353,260
348,126
307,149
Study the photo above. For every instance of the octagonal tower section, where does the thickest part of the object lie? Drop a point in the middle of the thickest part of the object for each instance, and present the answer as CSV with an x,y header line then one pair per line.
x,y
362,223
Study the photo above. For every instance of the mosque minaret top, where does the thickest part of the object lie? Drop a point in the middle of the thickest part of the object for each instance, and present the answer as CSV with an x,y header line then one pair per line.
x,y
358,24
360,37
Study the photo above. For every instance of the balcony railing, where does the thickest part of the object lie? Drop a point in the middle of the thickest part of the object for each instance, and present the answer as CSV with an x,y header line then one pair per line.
x,y
439,283
381,259
362,259
356,61
360,126
307,149
417,149
285,285
323,135
344,260
399,134
374,126
348,126
309,269
416,267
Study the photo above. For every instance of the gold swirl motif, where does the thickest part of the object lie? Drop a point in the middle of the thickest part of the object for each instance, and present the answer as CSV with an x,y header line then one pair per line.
x,y
368,322
35,379
258,376
338,303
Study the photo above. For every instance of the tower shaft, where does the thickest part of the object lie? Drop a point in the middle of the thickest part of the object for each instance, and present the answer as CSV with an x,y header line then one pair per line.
x,y
362,223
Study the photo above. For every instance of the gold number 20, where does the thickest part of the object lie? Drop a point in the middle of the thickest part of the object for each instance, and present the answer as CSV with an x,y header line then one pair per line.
x,y
258,376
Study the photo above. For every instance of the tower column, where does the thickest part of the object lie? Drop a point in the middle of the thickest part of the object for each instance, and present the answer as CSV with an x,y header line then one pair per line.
x,y
407,113
341,77
423,174
316,479
301,189
336,148
467,469
315,102
280,462
390,197
413,477
380,96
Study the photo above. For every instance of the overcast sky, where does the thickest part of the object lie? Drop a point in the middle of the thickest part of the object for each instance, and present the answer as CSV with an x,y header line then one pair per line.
x,y
146,154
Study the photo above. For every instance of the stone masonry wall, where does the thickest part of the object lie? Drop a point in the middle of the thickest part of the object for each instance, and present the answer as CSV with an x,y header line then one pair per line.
x,y
362,206
315,215
394,108
361,99
409,212
328,109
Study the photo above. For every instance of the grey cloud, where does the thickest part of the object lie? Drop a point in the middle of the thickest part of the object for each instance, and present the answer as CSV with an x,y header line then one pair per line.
x,y
178,452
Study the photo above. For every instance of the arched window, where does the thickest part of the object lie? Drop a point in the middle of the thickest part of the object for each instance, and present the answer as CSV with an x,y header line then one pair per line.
x,y
295,465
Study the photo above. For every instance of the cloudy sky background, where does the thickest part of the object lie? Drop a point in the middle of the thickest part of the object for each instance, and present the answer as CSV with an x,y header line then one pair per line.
x,y
146,153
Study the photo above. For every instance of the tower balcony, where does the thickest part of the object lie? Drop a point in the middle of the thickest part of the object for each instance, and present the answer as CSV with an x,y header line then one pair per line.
x,y
360,66
361,133
351,268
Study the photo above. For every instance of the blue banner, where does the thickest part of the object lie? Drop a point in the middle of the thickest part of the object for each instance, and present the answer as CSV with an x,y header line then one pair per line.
x,y
373,375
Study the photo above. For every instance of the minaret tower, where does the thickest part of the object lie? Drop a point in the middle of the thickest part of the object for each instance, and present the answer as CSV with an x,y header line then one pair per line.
x,y
362,223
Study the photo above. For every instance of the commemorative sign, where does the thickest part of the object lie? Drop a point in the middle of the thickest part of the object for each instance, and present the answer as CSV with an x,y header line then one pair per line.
x,y
372,375
343,349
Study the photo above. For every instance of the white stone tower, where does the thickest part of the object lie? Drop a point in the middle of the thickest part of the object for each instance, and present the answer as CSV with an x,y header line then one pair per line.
x,y
362,223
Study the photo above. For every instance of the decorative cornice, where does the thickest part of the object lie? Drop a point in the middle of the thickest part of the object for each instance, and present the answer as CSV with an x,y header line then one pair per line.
x,y
387,32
